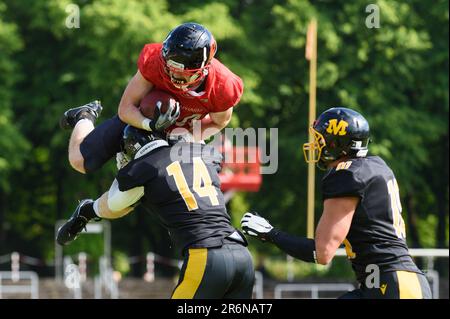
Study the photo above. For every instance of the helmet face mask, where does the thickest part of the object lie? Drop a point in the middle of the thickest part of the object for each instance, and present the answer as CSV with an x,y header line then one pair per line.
x,y
313,150
186,54
184,78
338,132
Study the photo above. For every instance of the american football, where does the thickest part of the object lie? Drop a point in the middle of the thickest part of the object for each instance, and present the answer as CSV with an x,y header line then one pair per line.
x,y
149,102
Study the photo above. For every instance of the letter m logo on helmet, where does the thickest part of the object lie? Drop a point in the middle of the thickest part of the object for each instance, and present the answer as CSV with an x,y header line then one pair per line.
x,y
336,128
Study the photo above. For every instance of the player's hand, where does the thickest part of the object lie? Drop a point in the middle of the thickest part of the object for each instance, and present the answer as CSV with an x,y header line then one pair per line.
x,y
254,225
163,120
121,160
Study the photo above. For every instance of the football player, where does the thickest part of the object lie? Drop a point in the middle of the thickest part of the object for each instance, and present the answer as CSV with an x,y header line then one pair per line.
x,y
185,194
184,66
361,209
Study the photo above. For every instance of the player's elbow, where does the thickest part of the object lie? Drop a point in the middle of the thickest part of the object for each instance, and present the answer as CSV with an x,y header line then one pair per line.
x,y
223,119
226,120
76,160
220,124
123,111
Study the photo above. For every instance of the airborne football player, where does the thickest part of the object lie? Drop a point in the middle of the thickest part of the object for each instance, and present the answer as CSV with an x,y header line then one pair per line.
x,y
184,66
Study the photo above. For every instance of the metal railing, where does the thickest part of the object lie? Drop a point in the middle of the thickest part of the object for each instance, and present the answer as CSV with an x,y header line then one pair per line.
x,y
429,253
314,289
258,288
105,281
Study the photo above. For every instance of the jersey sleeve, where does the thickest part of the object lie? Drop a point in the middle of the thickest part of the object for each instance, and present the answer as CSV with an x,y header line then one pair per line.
x,y
134,174
148,61
342,183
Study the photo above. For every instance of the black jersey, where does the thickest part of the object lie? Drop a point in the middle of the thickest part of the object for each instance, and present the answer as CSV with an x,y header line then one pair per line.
x,y
182,186
377,233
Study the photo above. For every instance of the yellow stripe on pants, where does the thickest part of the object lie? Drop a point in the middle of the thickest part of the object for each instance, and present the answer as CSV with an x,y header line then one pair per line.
x,y
409,285
193,275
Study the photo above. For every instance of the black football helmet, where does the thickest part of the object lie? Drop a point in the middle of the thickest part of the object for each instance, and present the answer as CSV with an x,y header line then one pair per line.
x,y
337,132
135,141
186,53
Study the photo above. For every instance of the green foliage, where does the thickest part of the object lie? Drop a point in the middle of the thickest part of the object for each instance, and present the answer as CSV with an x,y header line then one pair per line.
x,y
12,144
121,262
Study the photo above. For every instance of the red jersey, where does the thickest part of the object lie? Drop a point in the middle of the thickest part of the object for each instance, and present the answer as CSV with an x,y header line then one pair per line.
x,y
222,90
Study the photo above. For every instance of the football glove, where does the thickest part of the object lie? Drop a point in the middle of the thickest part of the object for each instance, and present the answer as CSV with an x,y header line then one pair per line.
x,y
256,226
162,121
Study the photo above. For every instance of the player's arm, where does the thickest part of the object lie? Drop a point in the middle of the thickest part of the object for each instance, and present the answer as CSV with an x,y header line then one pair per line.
x,y
128,111
333,226
299,247
115,203
214,123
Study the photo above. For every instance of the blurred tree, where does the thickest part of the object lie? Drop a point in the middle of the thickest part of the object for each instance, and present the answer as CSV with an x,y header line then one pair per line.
x,y
13,146
63,67
390,74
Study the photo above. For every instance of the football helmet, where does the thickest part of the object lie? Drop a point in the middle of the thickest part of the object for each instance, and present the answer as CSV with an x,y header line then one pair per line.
x,y
337,132
137,142
186,54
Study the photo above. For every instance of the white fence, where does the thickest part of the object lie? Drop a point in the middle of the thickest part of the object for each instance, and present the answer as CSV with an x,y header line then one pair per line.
x,y
313,289
23,282
27,282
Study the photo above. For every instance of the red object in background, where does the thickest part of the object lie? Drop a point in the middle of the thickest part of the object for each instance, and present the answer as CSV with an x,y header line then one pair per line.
x,y
241,169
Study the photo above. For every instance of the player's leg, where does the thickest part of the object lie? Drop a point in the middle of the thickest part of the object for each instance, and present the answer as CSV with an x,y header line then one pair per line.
x,y
244,275
412,285
399,285
101,144
70,230
87,210
425,287
228,273
80,131
354,294
81,119
387,287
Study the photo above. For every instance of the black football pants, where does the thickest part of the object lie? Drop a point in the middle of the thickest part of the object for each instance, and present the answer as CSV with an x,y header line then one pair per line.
x,y
394,285
102,143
